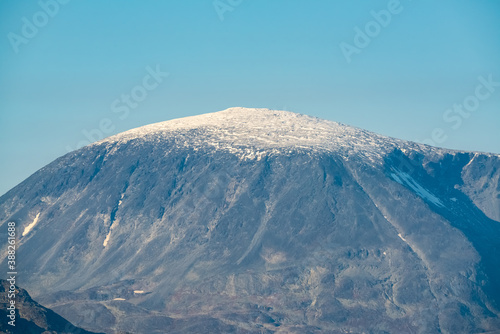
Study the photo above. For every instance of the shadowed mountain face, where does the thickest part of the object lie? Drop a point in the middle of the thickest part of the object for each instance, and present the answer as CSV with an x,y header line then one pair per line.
x,y
31,317
252,220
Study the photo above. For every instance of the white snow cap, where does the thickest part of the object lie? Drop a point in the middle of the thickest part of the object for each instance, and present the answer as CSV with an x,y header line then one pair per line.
x,y
250,131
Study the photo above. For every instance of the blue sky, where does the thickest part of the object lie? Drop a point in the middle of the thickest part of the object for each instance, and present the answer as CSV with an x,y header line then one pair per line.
x,y
393,67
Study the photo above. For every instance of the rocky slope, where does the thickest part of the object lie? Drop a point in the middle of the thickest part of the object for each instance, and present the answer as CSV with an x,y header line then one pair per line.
x,y
254,220
31,317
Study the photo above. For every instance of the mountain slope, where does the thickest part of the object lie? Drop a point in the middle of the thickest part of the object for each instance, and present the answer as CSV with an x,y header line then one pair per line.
x,y
262,221
32,317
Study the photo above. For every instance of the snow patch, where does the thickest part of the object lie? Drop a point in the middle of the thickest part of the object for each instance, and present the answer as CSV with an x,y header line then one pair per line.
x,y
28,228
474,157
399,235
121,199
119,299
405,179
105,243
138,291
106,240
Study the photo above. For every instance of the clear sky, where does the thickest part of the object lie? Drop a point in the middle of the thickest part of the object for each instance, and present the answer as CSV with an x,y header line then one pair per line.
x,y
73,71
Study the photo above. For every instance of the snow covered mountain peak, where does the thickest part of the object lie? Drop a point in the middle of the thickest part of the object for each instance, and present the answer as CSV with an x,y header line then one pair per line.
x,y
251,132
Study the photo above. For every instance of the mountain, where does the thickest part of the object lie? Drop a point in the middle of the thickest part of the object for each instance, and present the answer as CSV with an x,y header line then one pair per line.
x,y
262,221
31,317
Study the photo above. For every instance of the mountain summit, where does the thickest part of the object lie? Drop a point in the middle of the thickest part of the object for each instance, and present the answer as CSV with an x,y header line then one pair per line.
x,y
255,220
248,132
